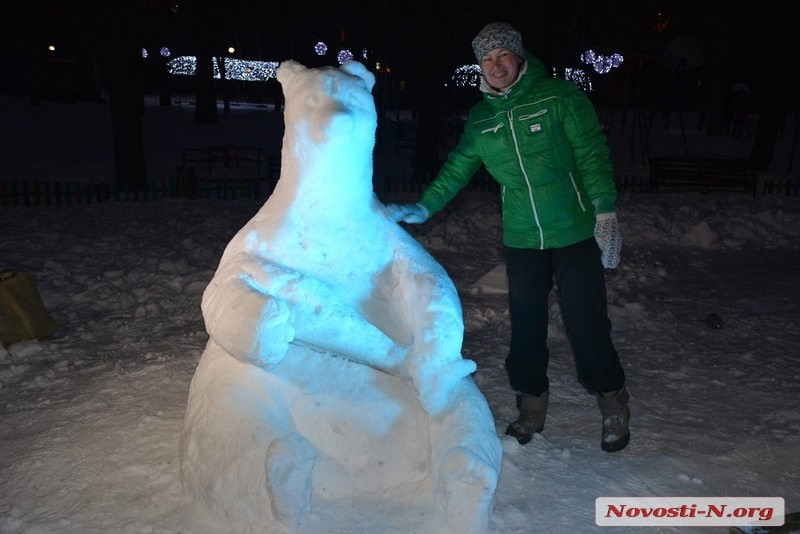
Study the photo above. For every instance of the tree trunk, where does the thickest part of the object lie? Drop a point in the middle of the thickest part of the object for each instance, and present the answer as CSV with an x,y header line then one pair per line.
x,y
774,106
162,82
126,100
225,84
205,111
429,90
718,81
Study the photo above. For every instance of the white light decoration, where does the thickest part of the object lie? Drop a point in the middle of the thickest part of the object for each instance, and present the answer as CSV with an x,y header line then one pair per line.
x,y
602,64
345,56
165,52
182,65
321,48
364,53
576,76
231,50
468,75
51,48
235,69
144,52
579,78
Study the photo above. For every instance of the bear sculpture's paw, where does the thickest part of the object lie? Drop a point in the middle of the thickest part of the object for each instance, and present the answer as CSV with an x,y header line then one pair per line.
x,y
273,335
466,491
435,381
289,463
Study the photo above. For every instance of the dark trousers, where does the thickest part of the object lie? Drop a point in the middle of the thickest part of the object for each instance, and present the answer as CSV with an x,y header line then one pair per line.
x,y
580,277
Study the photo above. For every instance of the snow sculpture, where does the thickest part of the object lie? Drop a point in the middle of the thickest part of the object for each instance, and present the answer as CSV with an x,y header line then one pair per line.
x,y
333,369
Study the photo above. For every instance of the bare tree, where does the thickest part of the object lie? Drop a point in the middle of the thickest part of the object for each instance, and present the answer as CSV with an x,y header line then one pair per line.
x,y
123,68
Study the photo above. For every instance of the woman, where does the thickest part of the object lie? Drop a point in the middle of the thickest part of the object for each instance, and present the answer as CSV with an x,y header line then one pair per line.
x,y
539,137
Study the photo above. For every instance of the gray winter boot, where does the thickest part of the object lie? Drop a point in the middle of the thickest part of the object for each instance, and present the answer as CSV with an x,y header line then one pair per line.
x,y
532,412
614,407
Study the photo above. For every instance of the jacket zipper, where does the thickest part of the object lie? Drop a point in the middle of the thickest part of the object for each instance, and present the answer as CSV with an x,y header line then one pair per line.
x,y
532,115
527,181
493,130
577,191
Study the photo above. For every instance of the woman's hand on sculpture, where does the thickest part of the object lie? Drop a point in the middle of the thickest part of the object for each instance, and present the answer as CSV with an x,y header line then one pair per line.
x,y
408,213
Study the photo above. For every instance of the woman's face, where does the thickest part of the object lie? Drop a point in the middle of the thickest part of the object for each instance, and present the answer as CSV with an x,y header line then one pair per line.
x,y
500,67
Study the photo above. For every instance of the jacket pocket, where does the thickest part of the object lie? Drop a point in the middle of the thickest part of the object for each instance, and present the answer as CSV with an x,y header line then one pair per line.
x,y
577,191
537,131
494,138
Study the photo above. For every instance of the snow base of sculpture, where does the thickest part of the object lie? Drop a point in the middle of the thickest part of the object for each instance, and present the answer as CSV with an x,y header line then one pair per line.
x,y
371,441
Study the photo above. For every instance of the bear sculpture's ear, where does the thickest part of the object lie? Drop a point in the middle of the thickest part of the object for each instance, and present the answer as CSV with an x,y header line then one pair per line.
x,y
288,70
357,69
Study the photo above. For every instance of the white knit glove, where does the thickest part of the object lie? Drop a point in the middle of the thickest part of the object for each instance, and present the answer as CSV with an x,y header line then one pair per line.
x,y
609,238
409,213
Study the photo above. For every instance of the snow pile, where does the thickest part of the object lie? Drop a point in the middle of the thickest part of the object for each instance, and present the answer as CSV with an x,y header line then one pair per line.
x,y
724,221
92,416
334,368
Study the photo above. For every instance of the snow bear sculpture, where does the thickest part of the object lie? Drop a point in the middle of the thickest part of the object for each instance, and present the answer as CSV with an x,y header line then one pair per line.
x,y
334,368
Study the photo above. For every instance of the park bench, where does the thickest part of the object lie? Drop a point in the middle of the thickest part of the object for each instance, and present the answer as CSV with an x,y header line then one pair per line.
x,y
703,173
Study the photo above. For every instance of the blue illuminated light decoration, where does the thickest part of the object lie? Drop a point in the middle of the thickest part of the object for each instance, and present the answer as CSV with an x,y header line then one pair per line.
x,y
602,64
468,75
144,52
235,69
321,48
345,56
165,52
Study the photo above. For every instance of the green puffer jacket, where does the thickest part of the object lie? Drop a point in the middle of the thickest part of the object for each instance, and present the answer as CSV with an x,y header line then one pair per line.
x,y
542,142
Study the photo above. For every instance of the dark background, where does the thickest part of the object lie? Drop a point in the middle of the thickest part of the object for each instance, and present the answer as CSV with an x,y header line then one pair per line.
x,y
749,55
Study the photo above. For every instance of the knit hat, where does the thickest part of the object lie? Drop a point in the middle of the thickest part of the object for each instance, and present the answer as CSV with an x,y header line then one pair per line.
x,y
497,35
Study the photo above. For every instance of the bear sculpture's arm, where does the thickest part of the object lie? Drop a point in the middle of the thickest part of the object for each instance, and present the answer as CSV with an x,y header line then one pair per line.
x,y
435,363
255,308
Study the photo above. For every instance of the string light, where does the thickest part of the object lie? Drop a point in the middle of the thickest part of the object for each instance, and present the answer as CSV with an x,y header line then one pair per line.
x,y
578,77
144,52
165,52
602,64
468,75
345,56
364,53
235,69
321,48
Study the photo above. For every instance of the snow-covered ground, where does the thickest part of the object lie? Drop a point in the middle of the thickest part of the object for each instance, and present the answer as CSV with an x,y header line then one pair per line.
x,y
90,418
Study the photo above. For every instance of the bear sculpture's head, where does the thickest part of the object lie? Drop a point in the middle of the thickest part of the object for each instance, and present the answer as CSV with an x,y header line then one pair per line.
x,y
330,130
327,105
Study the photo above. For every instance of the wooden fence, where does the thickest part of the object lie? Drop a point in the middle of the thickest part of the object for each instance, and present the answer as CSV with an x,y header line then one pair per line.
x,y
789,186
781,186
32,193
